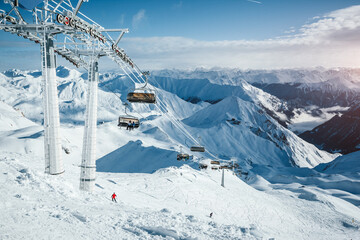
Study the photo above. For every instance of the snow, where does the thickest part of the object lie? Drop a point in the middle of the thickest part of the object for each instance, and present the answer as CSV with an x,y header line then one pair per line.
x,y
343,164
170,203
281,197
336,77
336,88
258,137
304,119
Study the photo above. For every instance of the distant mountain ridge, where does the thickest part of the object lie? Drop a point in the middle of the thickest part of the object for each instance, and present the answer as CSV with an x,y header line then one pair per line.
x,y
299,87
305,98
339,134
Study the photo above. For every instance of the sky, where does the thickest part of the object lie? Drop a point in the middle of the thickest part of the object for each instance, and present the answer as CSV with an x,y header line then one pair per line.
x,y
245,34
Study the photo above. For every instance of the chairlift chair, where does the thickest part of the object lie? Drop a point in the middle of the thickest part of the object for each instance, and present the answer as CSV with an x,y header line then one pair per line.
x,y
182,156
215,162
143,96
203,166
126,119
197,148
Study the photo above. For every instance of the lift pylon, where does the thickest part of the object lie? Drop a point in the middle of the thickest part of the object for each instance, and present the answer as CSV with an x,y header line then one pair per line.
x,y
88,166
53,159
80,41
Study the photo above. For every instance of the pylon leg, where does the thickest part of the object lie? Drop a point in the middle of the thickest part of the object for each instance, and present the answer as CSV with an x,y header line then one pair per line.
x,y
88,165
52,143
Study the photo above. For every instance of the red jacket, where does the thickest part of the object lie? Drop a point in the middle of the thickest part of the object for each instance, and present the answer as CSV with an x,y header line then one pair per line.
x,y
113,196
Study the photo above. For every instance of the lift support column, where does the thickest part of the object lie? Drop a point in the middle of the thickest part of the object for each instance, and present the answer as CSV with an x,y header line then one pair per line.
x,y
52,141
88,165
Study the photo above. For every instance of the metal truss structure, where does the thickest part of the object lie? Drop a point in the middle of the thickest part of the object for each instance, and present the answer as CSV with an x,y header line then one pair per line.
x,y
61,29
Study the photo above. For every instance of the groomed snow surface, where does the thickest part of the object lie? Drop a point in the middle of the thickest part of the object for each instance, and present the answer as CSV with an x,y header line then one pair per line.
x,y
159,197
172,203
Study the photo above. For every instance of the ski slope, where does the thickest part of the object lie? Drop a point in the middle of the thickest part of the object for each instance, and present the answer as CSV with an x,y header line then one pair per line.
x,y
158,196
172,203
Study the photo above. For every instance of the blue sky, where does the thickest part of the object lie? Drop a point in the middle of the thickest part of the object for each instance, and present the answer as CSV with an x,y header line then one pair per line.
x,y
211,19
224,33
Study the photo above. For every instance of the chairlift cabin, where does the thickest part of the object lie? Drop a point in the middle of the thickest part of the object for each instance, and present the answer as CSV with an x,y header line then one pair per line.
x,y
127,119
197,149
182,156
124,121
203,166
143,96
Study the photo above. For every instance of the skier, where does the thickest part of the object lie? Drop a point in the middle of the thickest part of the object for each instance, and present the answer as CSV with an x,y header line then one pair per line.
x,y
211,215
113,197
128,126
133,125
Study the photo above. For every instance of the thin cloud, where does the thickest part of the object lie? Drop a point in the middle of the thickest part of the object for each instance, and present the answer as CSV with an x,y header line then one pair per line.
x,y
178,5
329,41
254,1
138,18
122,19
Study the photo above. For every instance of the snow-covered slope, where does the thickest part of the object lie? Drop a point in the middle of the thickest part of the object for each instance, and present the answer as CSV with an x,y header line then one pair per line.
x,y
278,146
21,89
257,138
170,203
347,164
309,97
195,90
12,119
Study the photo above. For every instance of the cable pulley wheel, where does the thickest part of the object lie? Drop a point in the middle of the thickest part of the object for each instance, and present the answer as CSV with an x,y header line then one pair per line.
x,y
60,18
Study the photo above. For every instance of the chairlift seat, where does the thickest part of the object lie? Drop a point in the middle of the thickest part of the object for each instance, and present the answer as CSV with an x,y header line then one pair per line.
x,y
203,166
183,156
197,149
125,120
137,97
225,167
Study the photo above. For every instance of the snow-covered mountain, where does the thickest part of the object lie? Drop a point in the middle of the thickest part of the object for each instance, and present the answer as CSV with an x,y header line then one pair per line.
x,y
258,138
309,96
335,79
339,134
175,200
347,164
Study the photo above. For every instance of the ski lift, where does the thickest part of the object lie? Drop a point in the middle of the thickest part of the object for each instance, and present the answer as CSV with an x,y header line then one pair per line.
x,y
182,156
203,166
142,97
197,148
126,119
215,162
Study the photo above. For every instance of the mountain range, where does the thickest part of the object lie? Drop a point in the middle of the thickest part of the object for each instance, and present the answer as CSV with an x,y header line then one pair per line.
x,y
280,186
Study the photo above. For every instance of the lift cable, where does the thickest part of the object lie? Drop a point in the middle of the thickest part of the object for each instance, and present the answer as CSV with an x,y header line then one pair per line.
x,y
168,114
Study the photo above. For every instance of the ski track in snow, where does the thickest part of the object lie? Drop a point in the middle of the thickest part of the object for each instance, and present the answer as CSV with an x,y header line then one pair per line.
x,y
171,203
